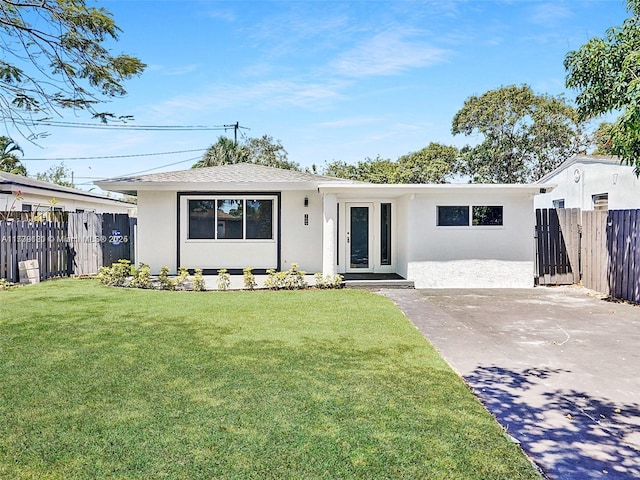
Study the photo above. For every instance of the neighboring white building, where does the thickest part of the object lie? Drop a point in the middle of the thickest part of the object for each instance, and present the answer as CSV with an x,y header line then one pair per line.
x,y
591,182
38,196
244,215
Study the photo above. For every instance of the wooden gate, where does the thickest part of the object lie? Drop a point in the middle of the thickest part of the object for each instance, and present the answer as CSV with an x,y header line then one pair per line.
x,y
557,246
595,257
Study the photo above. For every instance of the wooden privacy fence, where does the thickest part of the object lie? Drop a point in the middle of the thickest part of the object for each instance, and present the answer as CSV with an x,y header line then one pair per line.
x,y
597,248
557,246
78,246
41,241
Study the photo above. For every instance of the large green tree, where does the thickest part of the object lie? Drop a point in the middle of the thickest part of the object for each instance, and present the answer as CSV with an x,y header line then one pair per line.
x,y
436,163
9,161
55,56
523,135
260,151
58,174
602,139
371,170
606,73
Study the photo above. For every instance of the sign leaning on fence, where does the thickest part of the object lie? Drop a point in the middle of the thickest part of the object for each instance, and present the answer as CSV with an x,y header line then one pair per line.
x,y
77,246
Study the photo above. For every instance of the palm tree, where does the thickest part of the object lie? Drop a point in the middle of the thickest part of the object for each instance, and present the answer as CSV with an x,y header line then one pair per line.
x,y
223,152
9,161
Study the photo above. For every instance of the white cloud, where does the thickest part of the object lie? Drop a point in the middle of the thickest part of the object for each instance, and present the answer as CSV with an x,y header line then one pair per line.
x,y
267,94
225,15
388,53
350,122
548,14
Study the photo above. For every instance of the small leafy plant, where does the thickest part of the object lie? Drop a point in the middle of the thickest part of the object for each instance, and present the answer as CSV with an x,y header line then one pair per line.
x,y
182,278
249,278
292,279
116,275
141,276
224,279
5,284
198,284
328,281
166,282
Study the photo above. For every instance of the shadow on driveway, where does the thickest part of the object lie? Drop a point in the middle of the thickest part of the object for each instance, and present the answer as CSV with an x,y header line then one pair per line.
x,y
558,368
570,434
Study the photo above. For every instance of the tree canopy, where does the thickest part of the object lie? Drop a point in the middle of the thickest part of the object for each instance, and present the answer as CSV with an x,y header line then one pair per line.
x,y
9,161
436,163
524,135
55,56
58,174
606,73
260,151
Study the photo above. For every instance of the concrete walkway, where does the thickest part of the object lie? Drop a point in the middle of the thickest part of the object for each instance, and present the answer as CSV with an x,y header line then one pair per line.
x,y
558,367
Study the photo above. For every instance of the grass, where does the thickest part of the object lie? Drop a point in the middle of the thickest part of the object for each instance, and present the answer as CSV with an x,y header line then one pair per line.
x,y
100,382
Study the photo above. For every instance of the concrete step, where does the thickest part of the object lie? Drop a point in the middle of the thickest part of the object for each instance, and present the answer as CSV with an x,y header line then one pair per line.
x,y
378,284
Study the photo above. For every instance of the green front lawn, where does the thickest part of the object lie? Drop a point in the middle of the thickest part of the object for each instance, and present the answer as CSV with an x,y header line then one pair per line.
x,y
99,382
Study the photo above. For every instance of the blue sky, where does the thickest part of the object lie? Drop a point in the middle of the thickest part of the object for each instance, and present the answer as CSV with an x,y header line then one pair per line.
x,y
330,80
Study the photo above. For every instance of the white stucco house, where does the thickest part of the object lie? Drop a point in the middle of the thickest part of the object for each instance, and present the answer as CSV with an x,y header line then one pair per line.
x,y
20,193
245,215
591,182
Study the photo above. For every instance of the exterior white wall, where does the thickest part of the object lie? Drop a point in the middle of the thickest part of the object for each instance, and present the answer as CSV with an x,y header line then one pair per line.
x,y
156,233
401,236
300,243
618,181
473,256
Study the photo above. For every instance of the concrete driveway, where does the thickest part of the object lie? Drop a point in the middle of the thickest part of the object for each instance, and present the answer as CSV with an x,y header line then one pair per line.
x,y
558,366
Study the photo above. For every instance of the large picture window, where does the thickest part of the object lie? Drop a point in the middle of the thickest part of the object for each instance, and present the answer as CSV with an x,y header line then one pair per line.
x,y
465,216
231,219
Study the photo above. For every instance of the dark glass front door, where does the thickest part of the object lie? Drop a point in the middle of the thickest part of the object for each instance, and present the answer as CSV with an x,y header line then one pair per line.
x,y
359,238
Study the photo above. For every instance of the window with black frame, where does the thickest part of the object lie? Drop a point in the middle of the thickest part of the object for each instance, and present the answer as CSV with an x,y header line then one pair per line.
x,y
453,216
487,215
259,219
481,215
202,219
231,219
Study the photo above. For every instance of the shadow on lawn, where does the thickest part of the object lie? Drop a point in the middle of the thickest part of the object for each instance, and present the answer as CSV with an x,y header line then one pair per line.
x,y
571,435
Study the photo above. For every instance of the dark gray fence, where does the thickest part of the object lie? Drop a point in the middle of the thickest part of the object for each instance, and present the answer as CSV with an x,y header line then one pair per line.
x,y
599,249
78,246
623,246
41,241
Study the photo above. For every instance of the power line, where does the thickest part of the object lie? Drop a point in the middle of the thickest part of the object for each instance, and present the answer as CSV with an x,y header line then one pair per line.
x,y
112,156
162,128
158,167
144,171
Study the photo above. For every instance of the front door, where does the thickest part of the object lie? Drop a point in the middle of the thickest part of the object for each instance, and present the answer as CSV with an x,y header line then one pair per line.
x,y
359,237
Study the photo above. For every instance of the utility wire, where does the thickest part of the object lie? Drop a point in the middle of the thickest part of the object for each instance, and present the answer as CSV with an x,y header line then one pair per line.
x,y
149,169
163,128
112,156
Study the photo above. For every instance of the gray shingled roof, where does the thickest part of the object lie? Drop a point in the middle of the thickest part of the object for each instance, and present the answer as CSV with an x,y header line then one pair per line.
x,y
22,181
232,173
